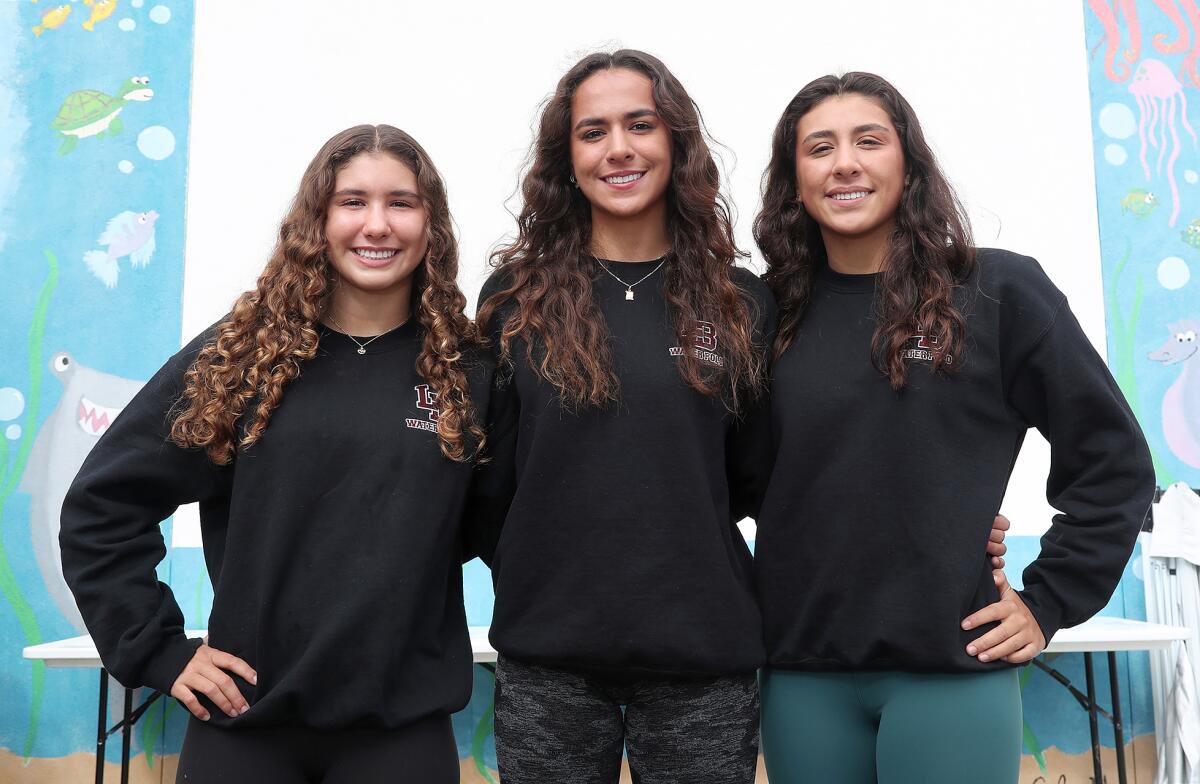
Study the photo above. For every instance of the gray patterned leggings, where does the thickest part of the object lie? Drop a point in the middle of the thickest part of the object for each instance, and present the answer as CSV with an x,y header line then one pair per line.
x,y
566,727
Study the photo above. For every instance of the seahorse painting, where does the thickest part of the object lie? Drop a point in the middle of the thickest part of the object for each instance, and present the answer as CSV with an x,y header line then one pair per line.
x,y
1181,403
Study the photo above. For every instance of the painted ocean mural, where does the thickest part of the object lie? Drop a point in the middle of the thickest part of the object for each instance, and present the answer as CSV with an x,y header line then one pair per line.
x,y
1145,89
94,101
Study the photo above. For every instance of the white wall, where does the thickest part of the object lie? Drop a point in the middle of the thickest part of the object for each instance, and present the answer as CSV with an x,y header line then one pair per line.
x,y
1001,88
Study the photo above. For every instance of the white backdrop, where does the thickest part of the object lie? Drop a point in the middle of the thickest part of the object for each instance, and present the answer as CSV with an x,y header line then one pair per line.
x,y
1001,89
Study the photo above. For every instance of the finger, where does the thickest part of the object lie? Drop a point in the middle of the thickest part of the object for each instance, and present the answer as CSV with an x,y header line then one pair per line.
x,y
994,637
1006,648
996,548
185,696
227,661
200,682
1001,581
997,611
997,563
229,690
1001,523
1028,653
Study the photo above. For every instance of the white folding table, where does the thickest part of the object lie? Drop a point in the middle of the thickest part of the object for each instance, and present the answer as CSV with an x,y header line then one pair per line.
x,y
81,652
1108,635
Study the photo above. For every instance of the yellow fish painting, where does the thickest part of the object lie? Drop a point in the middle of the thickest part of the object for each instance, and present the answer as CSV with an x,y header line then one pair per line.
x,y
53,19
101,10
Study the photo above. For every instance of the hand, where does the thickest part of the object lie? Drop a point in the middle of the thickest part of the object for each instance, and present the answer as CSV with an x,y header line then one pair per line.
x,y
995,545
1017,639
205,673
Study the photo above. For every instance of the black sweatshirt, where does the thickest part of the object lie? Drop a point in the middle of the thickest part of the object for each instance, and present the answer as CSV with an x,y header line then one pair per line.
x,y
333,544
620,550
870,547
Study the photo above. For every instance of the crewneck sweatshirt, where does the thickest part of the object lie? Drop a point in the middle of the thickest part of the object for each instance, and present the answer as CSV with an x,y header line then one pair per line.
x,y
333,543
619,550
871,540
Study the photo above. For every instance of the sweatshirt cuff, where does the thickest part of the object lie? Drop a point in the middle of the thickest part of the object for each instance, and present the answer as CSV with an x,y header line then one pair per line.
x,y
1047,615
164,668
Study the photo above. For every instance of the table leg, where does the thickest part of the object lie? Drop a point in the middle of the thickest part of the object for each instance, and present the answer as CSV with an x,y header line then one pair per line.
x,y
101,722
125,736
1093,725
1118,728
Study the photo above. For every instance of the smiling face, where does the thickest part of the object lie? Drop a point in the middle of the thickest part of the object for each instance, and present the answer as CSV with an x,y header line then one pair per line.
x,y
376,226
849,168
620,148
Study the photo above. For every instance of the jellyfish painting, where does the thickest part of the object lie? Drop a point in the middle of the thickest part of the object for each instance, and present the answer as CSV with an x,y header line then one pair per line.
x,y
1159,95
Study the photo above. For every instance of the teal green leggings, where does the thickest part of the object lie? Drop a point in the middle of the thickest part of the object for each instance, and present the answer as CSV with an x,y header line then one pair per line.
x,y
891,727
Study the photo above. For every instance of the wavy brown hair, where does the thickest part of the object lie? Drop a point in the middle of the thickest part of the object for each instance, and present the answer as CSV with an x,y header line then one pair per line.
x,y
549,271
929,255
238,378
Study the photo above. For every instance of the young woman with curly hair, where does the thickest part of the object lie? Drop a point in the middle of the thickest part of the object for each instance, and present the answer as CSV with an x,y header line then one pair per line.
x,y
631,345
326,427
909,367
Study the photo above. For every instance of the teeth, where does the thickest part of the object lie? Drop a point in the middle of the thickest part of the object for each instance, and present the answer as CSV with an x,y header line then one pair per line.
x,y
95,419
849,196
623,179
375,255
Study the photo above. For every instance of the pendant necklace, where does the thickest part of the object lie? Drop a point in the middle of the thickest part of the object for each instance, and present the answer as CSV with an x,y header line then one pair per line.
x,y
362,345
629,286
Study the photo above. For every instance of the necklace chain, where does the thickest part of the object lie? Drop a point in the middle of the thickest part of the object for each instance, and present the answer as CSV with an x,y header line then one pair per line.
x,y
362,346
629,286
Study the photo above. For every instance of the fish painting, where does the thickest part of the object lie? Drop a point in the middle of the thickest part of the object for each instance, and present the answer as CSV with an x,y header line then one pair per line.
x,y
53,19
127,234
101,10
1191,234
1139,202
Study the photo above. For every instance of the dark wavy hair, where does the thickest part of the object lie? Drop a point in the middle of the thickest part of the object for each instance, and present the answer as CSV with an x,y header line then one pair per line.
x,y
928,256
549,272
259,348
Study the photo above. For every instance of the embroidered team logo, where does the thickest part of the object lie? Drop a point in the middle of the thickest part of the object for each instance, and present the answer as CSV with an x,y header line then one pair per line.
x,y
426,401
923,347
704,345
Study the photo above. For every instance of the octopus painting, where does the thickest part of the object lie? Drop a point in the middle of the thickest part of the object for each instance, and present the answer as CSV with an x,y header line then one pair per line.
x,y
1184,16
1161,106
1181,403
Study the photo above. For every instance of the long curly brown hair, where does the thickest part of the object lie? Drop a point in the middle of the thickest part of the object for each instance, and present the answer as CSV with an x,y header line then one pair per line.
x,y
929,255
241,372
549,271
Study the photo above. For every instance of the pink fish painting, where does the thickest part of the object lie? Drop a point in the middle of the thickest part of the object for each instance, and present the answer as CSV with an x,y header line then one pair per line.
x,y
1181,403
127,234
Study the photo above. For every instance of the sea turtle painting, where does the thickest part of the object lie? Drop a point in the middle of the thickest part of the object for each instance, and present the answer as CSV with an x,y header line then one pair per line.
x,y
92,113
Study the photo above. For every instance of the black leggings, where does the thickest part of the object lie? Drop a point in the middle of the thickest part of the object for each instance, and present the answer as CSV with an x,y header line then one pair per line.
x,y
558,726
421,753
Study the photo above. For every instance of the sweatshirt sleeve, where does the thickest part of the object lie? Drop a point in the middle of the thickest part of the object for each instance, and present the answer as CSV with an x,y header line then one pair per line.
x,y
494,481
131,481
1101,479
750,447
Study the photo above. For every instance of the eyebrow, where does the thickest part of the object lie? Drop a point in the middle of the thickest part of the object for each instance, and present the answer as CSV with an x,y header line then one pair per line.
x,y
868,128
589,122
357,192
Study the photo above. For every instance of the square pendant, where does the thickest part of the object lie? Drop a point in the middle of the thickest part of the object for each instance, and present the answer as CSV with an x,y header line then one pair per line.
x,y
628,294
